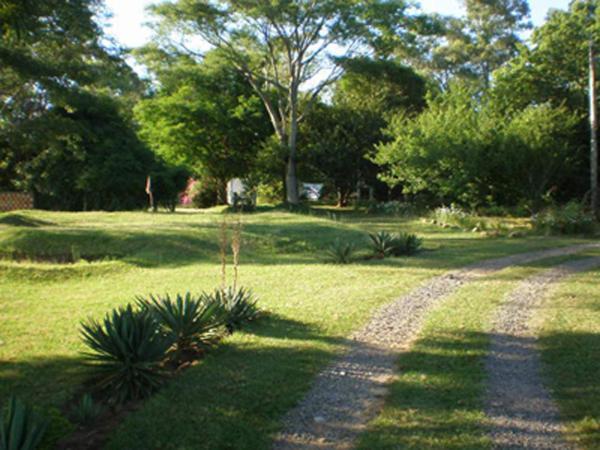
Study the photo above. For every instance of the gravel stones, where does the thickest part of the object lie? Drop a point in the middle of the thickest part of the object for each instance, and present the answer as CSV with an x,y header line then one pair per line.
x,y
521,412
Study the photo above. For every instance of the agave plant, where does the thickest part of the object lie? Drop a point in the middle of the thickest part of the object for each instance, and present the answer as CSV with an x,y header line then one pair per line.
x,y
21,428
239,305
381,243
87,410
341,252
405,244
188,321
127,350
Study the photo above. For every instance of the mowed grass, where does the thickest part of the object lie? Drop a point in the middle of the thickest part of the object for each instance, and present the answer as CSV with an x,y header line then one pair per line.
x,y
436,402
237,395
570,345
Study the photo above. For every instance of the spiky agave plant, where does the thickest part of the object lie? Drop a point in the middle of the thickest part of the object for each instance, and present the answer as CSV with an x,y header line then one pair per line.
x,y
381,243
87,410
189,321
238,304
126,353
341,252
21,428
405,244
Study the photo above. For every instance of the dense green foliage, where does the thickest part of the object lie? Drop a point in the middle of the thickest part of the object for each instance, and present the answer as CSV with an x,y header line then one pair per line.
x,y
443,110
571,218
66,133
202,115
461,149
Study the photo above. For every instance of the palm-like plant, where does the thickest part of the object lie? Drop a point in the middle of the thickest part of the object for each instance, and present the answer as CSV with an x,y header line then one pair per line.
x,y
239,306
188,321
21,428
341,252
405,244
381,243
127,352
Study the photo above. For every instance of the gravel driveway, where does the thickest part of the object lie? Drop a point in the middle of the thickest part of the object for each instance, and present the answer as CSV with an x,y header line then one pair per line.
x,y
521,412
350,391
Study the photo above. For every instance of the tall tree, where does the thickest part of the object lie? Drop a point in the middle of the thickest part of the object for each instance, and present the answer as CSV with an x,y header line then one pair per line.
x,y
471,47
284,48
65,131
203,115
557,69
340,137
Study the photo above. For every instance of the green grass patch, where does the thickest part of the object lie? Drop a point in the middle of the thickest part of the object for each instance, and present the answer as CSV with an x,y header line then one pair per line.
x,y
237,395
570,345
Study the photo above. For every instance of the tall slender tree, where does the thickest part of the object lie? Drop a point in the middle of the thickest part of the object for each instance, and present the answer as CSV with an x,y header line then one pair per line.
x,y
285,48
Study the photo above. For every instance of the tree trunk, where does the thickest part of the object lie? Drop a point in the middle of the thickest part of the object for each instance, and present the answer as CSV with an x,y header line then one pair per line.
x,y
593,132
291,179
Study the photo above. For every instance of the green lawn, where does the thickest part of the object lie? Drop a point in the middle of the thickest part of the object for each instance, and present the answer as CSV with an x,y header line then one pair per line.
x,y
570,344
236,396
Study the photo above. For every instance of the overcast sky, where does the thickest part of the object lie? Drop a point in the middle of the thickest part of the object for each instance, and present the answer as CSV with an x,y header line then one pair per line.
x,y
127,24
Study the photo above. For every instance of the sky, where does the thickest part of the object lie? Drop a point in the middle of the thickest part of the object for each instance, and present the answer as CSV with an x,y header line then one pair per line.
x,y
129,16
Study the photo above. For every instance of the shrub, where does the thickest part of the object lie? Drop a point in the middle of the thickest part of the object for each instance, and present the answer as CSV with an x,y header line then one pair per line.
x,y
341,252
205,192
126,353
571,218
392,208
87,410
454,216
405,244
21,428
239,305
381,243
187,321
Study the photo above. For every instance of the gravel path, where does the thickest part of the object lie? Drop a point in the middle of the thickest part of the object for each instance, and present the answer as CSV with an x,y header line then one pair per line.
x,y
521,411
349,392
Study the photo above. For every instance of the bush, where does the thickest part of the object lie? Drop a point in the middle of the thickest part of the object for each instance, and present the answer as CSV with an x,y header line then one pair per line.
x,y
571,218
126,353
341,252
239,305
454,216
381,243
205,192
167,183
21,428
187,321
392,208
405,244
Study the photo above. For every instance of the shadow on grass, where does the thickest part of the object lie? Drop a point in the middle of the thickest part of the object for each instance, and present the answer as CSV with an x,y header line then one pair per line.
x,y
42,381
436,401
263,243
233,399
19,220
572,362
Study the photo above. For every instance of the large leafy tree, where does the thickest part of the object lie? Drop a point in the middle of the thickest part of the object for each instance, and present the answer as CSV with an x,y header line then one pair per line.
x,y
462,149
556,70
340,137
284,48
471,47
202,115
65,129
